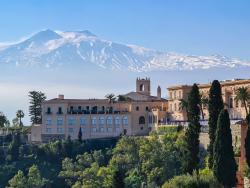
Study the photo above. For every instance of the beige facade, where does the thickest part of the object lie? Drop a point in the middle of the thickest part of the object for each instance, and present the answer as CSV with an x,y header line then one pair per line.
x,y
100,118
229,88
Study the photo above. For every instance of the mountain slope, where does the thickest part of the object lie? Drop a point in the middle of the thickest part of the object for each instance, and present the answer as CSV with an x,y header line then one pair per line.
x,y
56,48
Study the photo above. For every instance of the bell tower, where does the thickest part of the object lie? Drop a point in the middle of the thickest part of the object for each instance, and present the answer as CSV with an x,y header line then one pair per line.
x,y
143,86
159,92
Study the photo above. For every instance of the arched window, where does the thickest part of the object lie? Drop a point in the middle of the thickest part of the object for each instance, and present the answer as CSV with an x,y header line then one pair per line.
x,y
117,121
109,120
146,108
93,121
141,120
137,108
141,87
102,120
125,120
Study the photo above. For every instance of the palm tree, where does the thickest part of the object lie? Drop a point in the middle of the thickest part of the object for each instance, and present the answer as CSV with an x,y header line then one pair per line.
x,y
20,115
184,105
243,95
110,97
204,102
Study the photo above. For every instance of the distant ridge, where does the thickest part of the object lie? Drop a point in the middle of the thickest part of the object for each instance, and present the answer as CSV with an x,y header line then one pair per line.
x,y
49,48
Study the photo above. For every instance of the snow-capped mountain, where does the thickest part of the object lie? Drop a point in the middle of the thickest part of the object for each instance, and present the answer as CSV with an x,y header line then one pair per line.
x,y
56,48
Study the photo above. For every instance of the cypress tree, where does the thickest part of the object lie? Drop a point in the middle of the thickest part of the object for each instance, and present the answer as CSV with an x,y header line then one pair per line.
x,y
191,159
80,135
247,141
224,165
215,105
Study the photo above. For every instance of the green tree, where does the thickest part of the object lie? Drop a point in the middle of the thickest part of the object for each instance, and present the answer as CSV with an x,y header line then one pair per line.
x,y
204,102
15,122
243,95
110,97
224,165
184,105
3,119
118,179
18,181
20,115
80,135
35,108
247,141
13,149
34,179
215,105
191,155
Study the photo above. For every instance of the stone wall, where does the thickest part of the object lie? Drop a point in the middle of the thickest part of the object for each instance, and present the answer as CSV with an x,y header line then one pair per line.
x,y
236,136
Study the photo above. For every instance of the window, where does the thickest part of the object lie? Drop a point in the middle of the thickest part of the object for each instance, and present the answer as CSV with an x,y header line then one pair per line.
x,y
59,110
125,120
231,103
48,121
117,121
93,121
141,120
60,130
117,130
141,87
71,130
109,120
179,94
137,108
72,121
94,130
102,120
175,108
83,121
109,129
102,129
174,94
48,130
146,108
59,121
170,107
48,110
170,95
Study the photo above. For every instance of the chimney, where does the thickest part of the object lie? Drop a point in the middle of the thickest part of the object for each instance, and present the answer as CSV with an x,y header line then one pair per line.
x,y
159,92
60,96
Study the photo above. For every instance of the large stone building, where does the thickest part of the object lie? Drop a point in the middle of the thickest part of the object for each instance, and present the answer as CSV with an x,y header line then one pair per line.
x,y
135,113
229,87
99,118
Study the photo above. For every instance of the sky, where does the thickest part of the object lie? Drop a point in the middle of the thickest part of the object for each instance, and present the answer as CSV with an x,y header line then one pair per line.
x,y
194,27
198,27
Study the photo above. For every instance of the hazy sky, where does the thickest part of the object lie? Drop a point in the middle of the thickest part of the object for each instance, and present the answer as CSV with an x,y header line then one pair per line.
x,y
199,27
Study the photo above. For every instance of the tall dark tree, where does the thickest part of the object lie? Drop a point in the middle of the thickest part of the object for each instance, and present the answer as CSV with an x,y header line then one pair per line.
x,y
13,150
3,119
35,108
191,159
247,141
118,179
215,105
224,165
80,135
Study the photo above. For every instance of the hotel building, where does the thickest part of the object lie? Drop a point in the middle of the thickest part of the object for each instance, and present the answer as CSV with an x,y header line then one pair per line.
x,y
229,87
101,118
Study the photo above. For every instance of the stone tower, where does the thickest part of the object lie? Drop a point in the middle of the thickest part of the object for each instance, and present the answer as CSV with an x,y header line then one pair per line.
x,y
143,86
159,92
